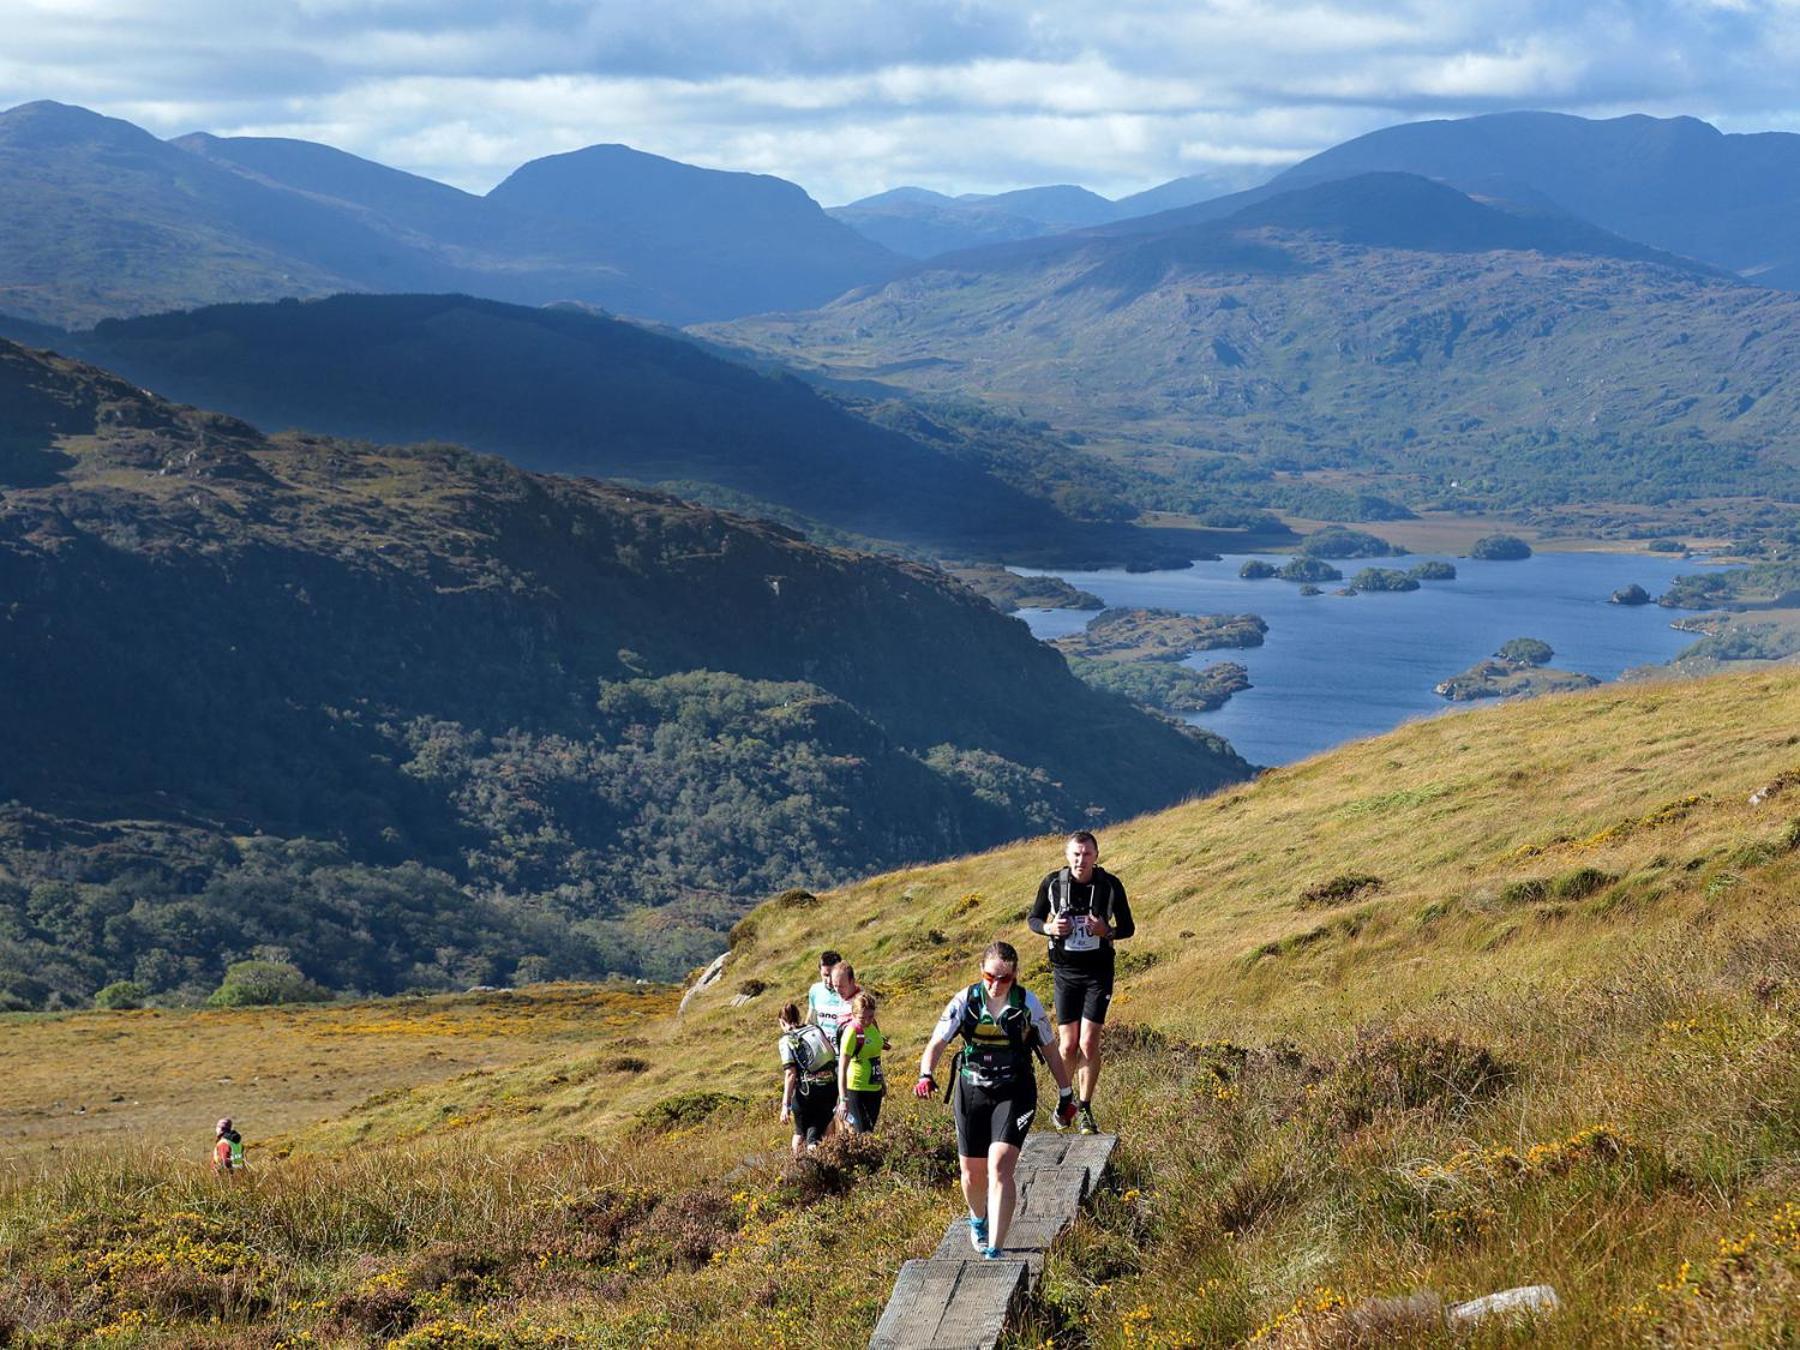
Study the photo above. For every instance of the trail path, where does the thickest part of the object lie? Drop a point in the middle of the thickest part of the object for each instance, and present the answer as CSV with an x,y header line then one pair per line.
x,y
955,1300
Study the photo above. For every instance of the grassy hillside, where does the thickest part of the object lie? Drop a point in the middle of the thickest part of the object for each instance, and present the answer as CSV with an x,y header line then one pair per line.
x,y
1445,350
1498,998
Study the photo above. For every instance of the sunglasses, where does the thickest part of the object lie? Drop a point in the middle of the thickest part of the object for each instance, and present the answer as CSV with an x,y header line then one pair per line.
x,y
991,978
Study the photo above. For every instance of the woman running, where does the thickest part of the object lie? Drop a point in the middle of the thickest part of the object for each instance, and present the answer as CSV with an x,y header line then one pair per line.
x,y
808,1079
1002,1026
860,1084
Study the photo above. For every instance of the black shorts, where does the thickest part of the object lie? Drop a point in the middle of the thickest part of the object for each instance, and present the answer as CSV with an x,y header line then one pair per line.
x,y
989,1116
814,1106
1081,995
862,1110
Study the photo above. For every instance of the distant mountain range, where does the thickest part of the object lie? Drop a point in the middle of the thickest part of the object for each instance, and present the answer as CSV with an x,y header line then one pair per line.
x,y
920,223
505,713
565,391
104,219
1383,322
1674,183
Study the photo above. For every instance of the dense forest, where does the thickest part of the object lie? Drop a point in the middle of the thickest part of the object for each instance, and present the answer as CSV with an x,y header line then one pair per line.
x,y
413,717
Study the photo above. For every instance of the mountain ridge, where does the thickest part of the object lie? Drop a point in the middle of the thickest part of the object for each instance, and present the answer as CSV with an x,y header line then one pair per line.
x,y
107,220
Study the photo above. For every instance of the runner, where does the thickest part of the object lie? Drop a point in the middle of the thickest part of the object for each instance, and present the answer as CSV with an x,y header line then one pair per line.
x,y
228,1148
809,1091
1002,1025
830,1009
822,995
1082,909
860,1084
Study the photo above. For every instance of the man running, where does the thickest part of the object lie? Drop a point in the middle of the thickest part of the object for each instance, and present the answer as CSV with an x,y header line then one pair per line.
x,y
1082,909
1002,1025
828,1001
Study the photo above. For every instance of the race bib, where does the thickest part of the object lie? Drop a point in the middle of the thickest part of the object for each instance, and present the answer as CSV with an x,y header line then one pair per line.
x,y
1079,939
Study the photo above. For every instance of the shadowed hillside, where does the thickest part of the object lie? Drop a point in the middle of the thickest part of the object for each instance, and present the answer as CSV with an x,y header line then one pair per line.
x,y
401,712
562,391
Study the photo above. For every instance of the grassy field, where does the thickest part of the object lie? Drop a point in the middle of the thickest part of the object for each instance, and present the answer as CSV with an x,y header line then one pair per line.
x,y
1506,998
161,1077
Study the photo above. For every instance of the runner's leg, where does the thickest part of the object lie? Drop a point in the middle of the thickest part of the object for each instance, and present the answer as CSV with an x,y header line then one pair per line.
x,y
1002,1163
1087,1077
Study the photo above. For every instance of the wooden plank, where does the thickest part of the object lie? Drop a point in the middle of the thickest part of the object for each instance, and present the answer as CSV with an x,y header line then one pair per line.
x,y
950,1305
958,1301
1091,1153
1050,1194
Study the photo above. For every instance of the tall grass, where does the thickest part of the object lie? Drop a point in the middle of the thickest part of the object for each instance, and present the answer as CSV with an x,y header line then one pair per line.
x,y
1504,998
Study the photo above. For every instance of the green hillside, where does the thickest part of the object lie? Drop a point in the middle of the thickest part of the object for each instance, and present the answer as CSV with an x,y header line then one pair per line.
x,y
1499,998
411,717
1442,351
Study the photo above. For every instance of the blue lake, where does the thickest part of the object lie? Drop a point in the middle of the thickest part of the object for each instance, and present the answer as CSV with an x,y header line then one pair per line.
x,y
1336,668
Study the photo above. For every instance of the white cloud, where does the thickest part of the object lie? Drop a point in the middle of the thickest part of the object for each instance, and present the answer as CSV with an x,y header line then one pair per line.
x,y
850,96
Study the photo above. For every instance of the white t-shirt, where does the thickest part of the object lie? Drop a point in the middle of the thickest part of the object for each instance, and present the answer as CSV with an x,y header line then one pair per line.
x,y
828,1010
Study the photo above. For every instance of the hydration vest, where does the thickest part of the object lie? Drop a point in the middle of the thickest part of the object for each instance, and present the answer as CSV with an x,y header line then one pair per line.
x,y
812,1055
1101,904
996,1051
237,1149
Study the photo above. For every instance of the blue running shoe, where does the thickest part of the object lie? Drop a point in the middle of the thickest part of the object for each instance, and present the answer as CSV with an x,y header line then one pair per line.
x,y
992,1254
978,1234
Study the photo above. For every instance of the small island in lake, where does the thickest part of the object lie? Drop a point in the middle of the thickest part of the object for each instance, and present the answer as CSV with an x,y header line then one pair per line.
x,y
1384,579
1160,635
1308,569
1519,669
1500,548
1008,591
1633,594
1432,571
1256,570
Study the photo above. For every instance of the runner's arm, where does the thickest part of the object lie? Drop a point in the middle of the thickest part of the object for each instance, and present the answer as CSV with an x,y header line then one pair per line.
x,y
940,1036
1040,909
790,1079
1122,925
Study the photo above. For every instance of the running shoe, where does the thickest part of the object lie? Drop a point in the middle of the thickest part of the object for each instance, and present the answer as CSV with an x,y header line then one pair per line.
x,y
978,1235
992,1254
1086,1114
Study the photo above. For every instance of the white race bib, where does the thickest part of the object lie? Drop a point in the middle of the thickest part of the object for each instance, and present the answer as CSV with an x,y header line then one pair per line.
x,y
1079,939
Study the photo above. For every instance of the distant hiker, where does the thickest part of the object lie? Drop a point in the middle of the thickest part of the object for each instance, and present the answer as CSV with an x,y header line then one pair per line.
x,y
1082,909
860,1082
228,1148
809,1073
1002,1026
830,1009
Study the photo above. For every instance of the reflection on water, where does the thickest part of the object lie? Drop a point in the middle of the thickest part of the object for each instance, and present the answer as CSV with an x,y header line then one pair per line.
x,y
1335,668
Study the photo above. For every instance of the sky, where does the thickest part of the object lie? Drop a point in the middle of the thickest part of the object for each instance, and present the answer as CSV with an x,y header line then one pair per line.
x,y
850,97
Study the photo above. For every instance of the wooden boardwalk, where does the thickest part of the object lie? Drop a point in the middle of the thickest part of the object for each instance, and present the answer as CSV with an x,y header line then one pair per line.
x,y
955,1300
